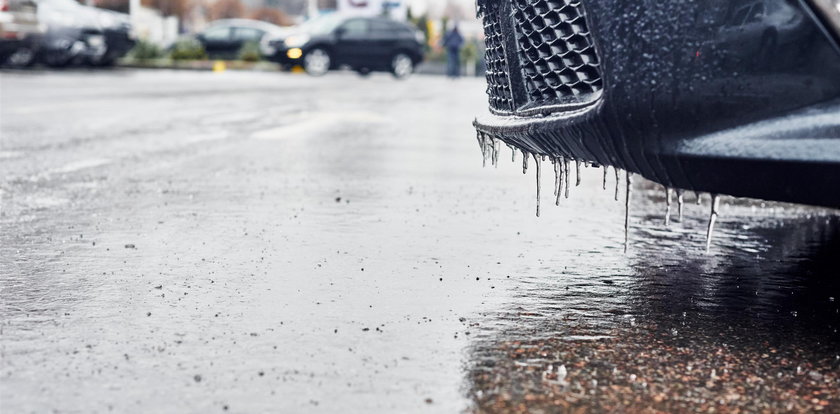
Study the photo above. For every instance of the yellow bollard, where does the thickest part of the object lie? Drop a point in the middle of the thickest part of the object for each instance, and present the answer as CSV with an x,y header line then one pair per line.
x,y
219,66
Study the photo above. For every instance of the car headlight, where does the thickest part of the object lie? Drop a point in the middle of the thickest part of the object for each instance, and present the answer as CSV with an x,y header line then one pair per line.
x,y
829,13
296,40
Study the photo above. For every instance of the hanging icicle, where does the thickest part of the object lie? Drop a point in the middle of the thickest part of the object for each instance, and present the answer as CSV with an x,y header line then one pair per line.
x,y
524,162
712,218
538,162
680,204
627,210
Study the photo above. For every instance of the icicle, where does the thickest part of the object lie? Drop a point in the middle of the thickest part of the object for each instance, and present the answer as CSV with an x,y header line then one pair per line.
x,y
697,196
712,219
556,176
497,146
482,141
605,177
577,173
524,162
512,152
568,176
667,206
617,182
560,163
627,211
680,204
537,162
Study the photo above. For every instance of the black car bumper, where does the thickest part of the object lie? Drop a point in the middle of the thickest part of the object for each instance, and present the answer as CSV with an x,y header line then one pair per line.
x,y
671,90
118,43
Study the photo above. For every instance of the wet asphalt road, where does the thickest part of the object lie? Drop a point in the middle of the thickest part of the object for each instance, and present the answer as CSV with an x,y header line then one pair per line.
x,y
260,242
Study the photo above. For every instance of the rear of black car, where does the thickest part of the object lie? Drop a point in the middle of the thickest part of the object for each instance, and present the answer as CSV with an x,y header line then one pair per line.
x,y
739,97
358,42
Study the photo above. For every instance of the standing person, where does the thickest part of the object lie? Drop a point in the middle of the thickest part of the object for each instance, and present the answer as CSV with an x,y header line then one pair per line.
x,y
453,42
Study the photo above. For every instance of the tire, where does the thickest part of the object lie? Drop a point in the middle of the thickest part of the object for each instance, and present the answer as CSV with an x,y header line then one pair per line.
x,y
21,58
402,66
317,62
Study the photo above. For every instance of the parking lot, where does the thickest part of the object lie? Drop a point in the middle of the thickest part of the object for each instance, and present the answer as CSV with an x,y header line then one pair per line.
x,y
180,241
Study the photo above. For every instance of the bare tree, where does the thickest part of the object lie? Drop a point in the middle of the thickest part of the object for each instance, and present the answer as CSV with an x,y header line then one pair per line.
x,y
226,9
271,15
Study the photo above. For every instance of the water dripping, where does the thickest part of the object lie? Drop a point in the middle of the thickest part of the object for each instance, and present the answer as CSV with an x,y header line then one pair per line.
x,y
537,162
712,218
628,183
667,206
697,197
680,204
577,173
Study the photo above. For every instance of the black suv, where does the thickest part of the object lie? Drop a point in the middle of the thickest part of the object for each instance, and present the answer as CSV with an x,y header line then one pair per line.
x,y
364,44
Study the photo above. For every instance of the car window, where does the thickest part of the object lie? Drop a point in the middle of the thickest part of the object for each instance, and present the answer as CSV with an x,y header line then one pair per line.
x,y
247,34
356,27
217,33
380,27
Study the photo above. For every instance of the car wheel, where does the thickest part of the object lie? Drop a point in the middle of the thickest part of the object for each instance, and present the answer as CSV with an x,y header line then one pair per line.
x,y
316,62
402,66
21,58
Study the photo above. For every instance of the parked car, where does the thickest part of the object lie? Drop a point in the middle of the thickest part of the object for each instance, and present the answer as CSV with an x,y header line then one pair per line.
x,y
224,39
119,36
738,97
74,33
364,44
20,31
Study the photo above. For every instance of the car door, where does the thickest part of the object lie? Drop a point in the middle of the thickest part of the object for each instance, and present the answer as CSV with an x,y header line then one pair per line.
x,y
218,42
383,42
244,35
352,45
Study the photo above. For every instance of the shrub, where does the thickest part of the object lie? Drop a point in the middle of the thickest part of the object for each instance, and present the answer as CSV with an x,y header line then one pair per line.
x,y
188,49
250,52
145,50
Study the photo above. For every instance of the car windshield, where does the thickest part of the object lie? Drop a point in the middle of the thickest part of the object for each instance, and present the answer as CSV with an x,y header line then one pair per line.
x,y
321,24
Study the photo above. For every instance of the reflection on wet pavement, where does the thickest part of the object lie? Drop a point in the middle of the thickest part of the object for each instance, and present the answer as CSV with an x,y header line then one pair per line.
x,y
205,243
753,327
